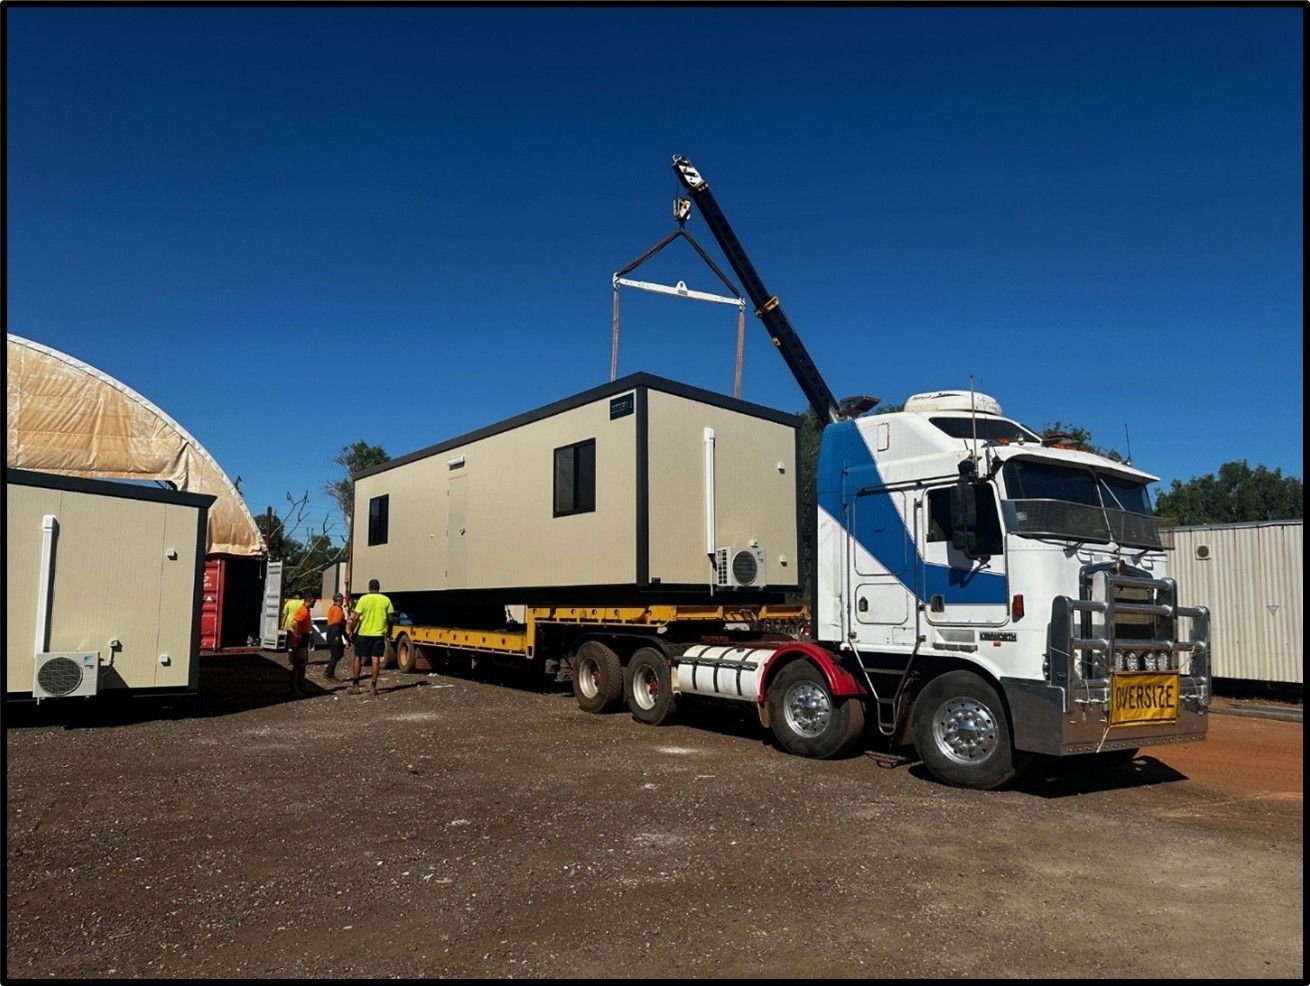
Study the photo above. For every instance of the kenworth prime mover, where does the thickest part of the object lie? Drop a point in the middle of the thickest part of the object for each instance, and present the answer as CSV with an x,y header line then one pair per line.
x,y
991,593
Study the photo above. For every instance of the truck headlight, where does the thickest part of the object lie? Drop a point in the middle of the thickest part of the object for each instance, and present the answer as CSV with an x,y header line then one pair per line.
x,y
1130,661
1118,661
1148,661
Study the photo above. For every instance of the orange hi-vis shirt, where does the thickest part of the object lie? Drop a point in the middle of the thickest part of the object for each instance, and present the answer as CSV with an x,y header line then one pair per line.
x,y
336,615
304,624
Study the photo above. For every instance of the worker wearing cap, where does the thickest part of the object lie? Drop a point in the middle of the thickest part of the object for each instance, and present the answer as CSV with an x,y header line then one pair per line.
x,y
336,632
299,638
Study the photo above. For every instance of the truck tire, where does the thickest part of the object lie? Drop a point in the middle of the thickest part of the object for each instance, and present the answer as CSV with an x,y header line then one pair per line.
x,y
648,686
406,654
962,734
597,677
806,719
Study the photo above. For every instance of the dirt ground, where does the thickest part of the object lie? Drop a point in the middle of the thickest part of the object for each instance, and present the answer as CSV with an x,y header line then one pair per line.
x,y
456,826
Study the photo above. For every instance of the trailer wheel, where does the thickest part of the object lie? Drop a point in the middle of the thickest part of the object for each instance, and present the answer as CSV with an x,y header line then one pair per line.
x,y
806,719
962,734
597,677
406,654
648,685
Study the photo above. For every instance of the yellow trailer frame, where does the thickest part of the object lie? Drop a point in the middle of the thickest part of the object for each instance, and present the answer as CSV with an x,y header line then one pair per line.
x,y
523,643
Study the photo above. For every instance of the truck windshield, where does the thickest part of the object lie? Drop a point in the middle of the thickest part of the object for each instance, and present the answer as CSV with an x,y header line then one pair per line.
x,y
1048,500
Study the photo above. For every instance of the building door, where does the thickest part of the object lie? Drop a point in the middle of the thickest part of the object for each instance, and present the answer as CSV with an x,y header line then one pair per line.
x,y
456,532
270,624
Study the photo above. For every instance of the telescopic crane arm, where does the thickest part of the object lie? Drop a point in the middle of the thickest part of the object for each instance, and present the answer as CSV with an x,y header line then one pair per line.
x,y
767,308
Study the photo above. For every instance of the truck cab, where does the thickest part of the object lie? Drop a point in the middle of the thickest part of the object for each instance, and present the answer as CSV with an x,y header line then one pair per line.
x,y
953,538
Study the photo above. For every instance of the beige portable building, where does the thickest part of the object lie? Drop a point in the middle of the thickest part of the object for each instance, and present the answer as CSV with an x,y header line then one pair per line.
x,y
103,585
638,489
1251,576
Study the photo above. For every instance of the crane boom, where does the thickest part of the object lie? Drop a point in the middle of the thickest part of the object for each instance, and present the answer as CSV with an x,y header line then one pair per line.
x,y
767,308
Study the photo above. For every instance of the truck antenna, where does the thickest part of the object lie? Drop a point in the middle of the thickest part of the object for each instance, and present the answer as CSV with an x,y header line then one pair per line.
x,y
1128,442
973,415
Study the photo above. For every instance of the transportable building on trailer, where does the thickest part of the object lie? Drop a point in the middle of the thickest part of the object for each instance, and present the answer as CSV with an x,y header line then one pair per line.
x,y
1252,576
639,489
104,586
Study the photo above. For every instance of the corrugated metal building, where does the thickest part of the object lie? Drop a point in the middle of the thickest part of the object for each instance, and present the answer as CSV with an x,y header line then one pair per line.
x,y
1250,575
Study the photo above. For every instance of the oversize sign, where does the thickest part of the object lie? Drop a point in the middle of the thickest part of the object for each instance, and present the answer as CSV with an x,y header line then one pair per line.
x,y
1136,698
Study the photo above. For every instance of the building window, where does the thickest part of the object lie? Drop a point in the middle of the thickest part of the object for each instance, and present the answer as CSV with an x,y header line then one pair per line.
x,y
575,478
377,519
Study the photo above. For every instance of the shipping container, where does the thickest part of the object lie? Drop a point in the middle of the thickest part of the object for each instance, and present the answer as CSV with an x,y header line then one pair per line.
x,y
1251,577
230,604
103,586
639,489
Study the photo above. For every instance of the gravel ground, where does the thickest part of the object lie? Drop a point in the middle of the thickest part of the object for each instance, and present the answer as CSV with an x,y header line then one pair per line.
x,y
463,827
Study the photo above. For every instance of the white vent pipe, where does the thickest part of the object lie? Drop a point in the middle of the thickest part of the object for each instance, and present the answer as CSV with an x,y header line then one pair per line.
x,y
49,525
710,542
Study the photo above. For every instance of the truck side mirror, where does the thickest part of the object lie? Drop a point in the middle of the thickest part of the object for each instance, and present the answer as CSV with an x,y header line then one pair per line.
x,y
964,519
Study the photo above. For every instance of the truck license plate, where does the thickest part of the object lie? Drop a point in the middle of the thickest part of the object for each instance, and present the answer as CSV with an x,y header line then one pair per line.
x,y
1138,698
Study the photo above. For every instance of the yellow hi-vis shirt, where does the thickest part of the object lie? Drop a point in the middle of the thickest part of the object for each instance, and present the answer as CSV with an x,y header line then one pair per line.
x,y
373,609
289,613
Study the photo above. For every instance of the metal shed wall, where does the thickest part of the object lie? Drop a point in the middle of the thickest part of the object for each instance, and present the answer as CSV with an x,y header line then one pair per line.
x,y
113,578
1251,578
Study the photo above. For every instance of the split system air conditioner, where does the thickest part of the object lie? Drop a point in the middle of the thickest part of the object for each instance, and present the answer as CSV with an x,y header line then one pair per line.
x,y
63,675
739,568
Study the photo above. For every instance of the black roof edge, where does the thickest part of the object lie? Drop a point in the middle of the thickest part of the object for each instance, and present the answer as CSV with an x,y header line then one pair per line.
x,y
106,487
630,382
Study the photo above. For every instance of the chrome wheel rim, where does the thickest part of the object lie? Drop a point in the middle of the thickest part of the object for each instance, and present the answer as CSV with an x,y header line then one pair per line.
x,y
807,708
965,730
645,687
587,678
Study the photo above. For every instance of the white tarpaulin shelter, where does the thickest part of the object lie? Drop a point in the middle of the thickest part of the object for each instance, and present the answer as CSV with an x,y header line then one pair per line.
x,y
68,418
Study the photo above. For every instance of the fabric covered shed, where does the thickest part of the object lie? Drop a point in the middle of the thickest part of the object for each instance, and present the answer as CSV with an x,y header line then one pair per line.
x,y
70,419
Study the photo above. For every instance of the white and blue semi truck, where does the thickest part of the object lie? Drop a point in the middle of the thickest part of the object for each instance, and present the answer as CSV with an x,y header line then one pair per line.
x,y
992,594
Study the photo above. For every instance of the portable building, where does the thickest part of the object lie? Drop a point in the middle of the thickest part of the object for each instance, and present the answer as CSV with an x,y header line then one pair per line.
x,y
1251,578
69,418
104,585
641,488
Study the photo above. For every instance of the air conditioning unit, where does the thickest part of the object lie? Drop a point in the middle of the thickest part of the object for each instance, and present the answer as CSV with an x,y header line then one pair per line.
x,y
738,568
64,675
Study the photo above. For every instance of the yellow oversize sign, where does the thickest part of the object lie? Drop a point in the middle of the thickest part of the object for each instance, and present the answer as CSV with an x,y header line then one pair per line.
x,y
1138,698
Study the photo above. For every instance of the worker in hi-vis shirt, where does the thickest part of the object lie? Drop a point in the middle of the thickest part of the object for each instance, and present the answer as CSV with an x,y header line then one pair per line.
x,y
370,623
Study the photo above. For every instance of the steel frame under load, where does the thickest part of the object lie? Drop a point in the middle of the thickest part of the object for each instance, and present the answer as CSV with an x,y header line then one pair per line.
x,y
602,619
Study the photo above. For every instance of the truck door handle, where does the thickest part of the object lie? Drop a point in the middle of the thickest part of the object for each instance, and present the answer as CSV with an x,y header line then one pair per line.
x,y
937,602
863,605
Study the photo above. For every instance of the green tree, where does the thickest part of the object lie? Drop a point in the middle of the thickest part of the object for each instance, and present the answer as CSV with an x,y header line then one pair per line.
x,y
353,458
1237,493
1079,437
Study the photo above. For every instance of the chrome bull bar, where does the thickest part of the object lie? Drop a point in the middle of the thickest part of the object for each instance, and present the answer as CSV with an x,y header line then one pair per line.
x,y
1081,665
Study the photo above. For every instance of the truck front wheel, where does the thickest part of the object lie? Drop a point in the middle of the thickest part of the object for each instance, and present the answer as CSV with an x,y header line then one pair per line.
x,y
962,734
648,683
597,677
806,719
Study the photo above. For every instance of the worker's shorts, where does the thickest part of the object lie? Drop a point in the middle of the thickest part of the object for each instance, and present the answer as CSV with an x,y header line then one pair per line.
x,y
300,655
370,646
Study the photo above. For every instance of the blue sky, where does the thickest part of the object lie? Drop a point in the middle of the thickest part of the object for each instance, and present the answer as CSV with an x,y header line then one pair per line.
x,y
294,228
